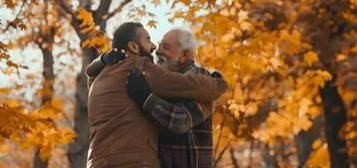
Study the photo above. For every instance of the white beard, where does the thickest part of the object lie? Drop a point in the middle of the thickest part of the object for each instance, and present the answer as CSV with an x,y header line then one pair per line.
x,y
167,64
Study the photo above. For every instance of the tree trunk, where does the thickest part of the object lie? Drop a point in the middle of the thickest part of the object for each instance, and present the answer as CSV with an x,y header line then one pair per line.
x,y
335,117
328,41
38,162
269,159
47,87
78,150
305,139
233,158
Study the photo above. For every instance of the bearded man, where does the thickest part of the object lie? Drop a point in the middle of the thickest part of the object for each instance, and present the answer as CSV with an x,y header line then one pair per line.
x,y
185,133
121,134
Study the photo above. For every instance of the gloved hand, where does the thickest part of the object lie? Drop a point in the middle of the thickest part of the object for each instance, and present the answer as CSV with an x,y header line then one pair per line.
x,y
137,87
112,57
216,74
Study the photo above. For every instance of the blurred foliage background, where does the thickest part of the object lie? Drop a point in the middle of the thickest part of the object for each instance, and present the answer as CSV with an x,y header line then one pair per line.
x,y
291,66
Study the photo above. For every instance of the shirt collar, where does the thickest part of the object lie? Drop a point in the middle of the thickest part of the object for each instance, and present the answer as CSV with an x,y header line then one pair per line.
x,y
188,67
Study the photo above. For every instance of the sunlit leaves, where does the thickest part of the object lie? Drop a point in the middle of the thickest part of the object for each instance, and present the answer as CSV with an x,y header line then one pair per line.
x,y
265,50
101,42
86,17
319,157
23,124
297,108
97,39
290,43
31,129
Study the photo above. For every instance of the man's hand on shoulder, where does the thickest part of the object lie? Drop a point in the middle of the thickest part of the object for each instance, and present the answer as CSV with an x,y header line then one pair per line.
x,y
137,87
112,57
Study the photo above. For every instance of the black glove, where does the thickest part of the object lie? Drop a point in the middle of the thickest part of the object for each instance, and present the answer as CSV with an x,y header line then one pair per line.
x,y
137,87
216,74
112,57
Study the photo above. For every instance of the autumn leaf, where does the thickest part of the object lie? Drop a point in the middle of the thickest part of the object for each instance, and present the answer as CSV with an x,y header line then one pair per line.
x,y
86,17
156,2
319,157
4,91
10,4
22,26
96,39
242,16
185,2
17,23
310,58
4,148
152,24
101,42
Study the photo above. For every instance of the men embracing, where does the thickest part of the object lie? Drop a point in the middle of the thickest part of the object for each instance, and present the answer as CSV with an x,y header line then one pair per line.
x,y
147,115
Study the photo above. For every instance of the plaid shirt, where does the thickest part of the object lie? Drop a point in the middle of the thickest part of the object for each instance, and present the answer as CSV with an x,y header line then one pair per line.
x,y
185,134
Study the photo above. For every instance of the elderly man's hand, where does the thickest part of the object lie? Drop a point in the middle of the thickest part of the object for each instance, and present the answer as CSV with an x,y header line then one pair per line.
x,y
137,87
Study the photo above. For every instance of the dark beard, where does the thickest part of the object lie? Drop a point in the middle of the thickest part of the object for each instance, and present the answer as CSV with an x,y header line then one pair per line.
x,y
143,52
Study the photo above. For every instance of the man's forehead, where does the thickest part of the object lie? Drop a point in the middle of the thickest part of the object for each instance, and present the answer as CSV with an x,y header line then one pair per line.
x,y
143,33
170,37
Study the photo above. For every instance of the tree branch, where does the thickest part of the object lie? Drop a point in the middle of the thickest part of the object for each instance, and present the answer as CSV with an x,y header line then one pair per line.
x,y
86,4
220,155
64,7
100,13
103,7
17,15
117,10
233,158
74,21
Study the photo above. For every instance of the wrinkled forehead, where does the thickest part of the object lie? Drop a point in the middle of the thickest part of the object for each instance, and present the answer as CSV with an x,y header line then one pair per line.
x,y
170,37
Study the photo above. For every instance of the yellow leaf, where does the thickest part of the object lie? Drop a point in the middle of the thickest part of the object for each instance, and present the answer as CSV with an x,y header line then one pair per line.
x,y
242,16
4,148
5,91
320,157
186,2
10,4
22,26
57,104
86,17
317,143
152,24
156,2
310,58
341,57
100,42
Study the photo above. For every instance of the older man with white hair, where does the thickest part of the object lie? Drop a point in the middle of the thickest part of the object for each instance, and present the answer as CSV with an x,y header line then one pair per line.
x,y
185,136
185,133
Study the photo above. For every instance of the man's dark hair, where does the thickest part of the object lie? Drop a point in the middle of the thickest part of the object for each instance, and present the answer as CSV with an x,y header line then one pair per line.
x,y
124,33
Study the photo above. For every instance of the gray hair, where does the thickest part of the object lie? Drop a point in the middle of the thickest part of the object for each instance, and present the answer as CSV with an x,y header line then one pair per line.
x,y
187,40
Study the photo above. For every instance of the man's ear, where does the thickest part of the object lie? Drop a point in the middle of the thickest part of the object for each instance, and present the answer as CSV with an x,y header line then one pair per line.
x,y
133,47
